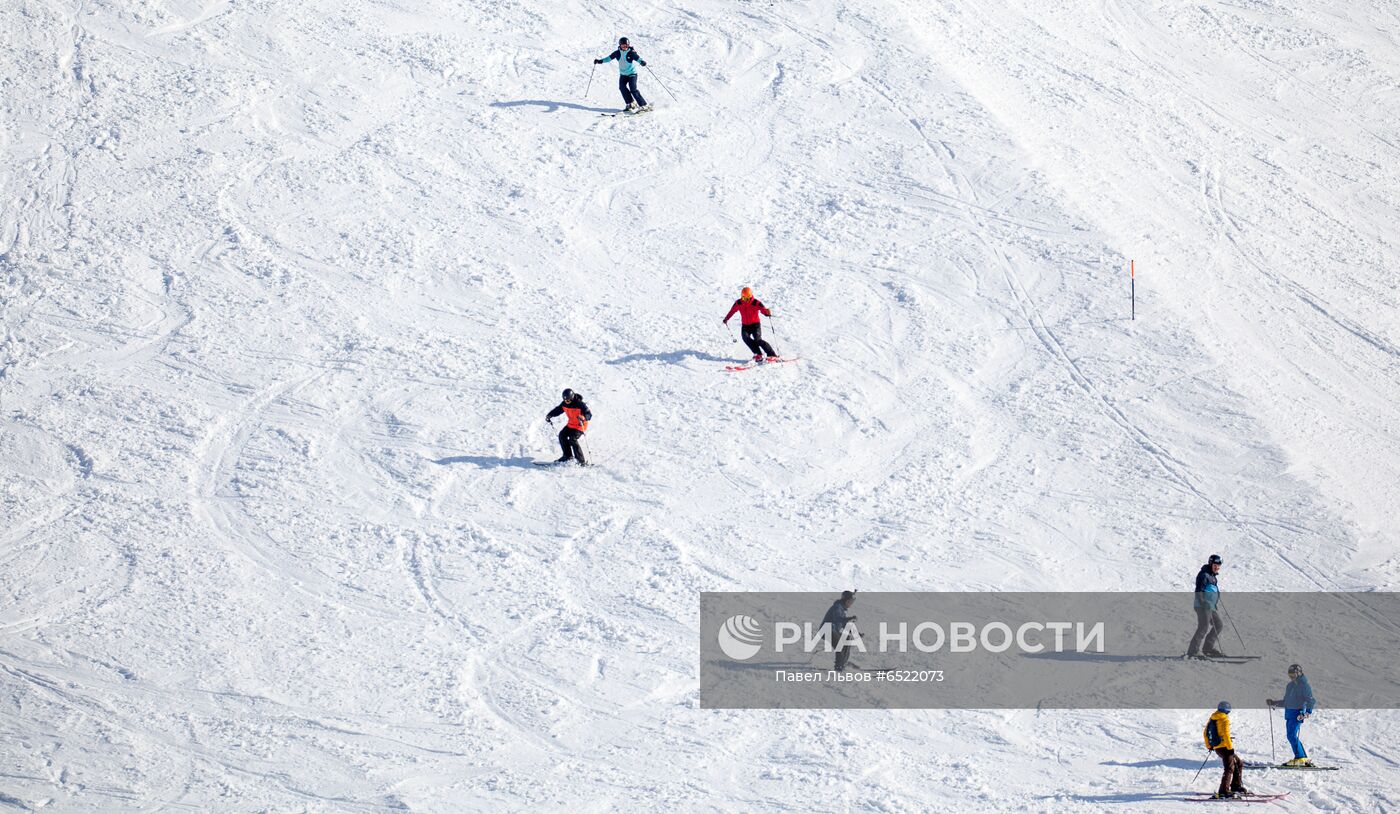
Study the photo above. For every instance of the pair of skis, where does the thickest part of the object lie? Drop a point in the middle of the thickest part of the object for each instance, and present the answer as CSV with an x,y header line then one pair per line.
x,y
1222,659
1285,767
636,112
1239,798
742,366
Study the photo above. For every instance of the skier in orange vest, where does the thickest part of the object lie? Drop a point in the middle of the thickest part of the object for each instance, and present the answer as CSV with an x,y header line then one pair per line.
x,y
578,416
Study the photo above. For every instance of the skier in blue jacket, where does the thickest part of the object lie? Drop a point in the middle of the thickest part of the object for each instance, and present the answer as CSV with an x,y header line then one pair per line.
x,y
1208,622
1298,703
627,75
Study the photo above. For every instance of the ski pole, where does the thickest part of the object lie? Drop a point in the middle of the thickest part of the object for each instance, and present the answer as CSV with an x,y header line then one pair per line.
x,y
732,337
590,80
1273,754
1203,767
1243,646
773,323
663,87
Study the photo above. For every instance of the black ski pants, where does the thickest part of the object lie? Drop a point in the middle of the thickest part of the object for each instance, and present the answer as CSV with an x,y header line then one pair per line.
x,y
1208,629
843,655
627,83
753,337
1233,778
568,441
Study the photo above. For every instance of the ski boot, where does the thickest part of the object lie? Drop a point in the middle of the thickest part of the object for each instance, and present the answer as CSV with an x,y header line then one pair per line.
x,y
758,358
1299,761
631,108
774,358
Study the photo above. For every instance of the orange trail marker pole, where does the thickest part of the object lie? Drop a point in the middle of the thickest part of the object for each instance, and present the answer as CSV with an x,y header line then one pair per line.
x,y
1132,287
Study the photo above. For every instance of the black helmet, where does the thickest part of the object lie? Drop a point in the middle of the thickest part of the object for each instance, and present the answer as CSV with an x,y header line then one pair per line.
x,y
568,394
848,594
1224,706
623,41
1295,669
1214,560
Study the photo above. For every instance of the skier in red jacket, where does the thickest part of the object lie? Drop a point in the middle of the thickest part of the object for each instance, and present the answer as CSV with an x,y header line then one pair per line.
x,y
749,307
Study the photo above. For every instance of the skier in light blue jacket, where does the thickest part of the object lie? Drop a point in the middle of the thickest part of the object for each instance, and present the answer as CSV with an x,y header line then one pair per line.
x,y
627,75
1298,703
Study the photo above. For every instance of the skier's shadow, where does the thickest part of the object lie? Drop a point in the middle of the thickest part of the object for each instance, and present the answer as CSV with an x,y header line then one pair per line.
x,y
1109,658
670,357
1165,763
553,107
486,461
1135,797
806,666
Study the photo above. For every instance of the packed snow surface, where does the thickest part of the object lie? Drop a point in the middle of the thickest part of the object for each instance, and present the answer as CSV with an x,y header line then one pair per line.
x,y
288,287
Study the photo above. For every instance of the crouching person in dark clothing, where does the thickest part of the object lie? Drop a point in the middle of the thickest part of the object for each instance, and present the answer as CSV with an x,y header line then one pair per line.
x,y
578,417
835,623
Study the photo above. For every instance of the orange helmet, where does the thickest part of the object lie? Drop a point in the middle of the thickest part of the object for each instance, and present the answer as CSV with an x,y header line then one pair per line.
x,y
746,294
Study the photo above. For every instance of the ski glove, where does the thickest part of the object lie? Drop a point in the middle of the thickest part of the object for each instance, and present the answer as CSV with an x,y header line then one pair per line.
x,y
597,62
643,61
1271,702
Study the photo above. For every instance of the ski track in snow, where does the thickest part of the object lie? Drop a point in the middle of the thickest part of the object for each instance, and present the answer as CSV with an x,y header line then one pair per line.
x,y
285,292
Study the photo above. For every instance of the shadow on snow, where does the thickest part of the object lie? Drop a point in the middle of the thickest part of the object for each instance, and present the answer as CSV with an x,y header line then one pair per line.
x,y
553,107
1165,763
1110,658
672,357
1126,797
485,461
768,665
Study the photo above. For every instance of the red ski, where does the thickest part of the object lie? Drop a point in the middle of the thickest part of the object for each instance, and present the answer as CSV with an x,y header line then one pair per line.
x,y
752,365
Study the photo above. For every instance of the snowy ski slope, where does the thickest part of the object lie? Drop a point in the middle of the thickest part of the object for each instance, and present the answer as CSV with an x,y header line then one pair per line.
x,y
287,288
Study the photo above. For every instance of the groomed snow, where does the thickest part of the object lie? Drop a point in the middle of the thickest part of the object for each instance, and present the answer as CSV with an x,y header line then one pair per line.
x,y
287,287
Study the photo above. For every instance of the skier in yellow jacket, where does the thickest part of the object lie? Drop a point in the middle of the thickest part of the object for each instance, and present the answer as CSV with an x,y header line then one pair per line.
x,y
1217,737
